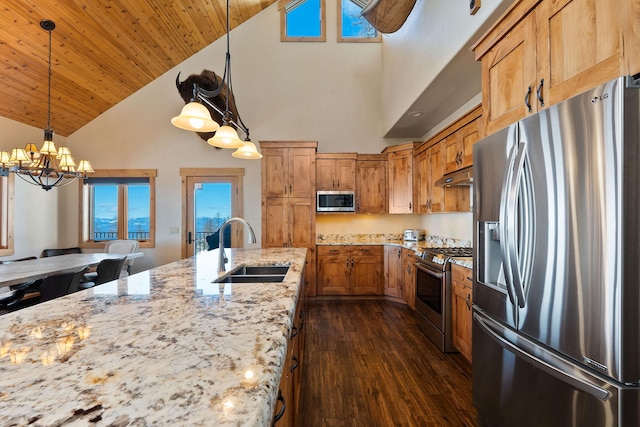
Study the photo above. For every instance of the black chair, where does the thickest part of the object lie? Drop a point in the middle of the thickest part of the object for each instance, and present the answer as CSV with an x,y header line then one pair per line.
x,y
58,285
213,240
62,251
108,270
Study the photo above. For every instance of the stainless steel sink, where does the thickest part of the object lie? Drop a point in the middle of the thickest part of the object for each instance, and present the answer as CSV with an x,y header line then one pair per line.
x,y
255,274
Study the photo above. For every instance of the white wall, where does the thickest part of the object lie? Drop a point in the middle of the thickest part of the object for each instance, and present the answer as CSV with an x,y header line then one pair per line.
x,y
413,56
327,92
37,213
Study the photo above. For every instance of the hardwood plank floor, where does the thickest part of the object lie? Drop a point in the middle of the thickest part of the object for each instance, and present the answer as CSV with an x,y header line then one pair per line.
x,y
368,364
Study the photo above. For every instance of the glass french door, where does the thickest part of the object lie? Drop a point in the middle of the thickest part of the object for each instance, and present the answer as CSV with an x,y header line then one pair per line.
x,y
210,201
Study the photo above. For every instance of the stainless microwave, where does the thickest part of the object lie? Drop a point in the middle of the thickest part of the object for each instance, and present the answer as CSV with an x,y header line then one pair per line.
x,y
335,201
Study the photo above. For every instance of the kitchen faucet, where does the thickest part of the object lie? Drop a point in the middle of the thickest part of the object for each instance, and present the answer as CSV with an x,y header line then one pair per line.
x,y
222,259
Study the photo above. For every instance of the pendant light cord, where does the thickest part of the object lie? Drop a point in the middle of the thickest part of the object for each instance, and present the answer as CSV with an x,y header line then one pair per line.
x,y
49,87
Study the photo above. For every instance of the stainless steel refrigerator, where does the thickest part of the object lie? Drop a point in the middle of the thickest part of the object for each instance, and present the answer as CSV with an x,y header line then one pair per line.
x,y
556,316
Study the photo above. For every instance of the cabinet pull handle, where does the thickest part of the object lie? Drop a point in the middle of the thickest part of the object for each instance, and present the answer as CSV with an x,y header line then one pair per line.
x,y
398,254
351,263
409,205
290,189
338,183
470,279
539,93
294,332
333,251
467,301
301,320
295,363
347,263
333,184
527,99
280,413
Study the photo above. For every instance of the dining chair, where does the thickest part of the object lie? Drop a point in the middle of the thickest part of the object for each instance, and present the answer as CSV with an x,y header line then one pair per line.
x,y
61,251
107,270
122,247
58,285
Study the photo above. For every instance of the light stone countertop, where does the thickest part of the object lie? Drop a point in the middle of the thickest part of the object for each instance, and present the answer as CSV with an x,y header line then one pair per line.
x,y
164,347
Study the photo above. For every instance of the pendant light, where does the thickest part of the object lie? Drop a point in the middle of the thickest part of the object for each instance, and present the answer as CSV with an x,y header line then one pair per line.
x,y
195,116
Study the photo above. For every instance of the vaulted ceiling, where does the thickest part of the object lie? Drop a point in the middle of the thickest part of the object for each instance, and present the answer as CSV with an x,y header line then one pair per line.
x,y
103,51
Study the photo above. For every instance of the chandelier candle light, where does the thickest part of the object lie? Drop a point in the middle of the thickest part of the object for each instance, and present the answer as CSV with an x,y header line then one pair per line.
x,y
195,116
46,167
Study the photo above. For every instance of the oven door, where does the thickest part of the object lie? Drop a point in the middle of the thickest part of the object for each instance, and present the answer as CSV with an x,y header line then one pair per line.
x,y
430,295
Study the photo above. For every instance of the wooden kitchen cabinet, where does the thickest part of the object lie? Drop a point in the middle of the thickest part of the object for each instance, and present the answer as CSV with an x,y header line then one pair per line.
x,y
345,270
409,273
289,199
461,313
393,272
400,177
541,52
336,171
458,147
288,168
371,183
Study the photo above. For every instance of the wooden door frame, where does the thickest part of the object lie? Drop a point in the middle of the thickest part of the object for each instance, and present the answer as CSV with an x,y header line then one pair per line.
x,y
186,173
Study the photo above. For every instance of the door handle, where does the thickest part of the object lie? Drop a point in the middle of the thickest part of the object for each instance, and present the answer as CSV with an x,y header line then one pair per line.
x,y
189,238
527,99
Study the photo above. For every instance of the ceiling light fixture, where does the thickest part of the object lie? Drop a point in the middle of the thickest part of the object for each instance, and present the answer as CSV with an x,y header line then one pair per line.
x,y
195,116
47,167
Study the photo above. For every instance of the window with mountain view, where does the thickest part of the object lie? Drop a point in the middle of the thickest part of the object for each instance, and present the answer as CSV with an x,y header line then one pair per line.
x,y
119,205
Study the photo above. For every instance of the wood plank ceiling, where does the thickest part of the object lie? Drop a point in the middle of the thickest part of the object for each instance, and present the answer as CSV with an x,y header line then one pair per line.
x,y
102,51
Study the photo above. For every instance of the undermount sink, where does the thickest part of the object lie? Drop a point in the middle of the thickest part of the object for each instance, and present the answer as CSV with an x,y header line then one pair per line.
x,y
255,274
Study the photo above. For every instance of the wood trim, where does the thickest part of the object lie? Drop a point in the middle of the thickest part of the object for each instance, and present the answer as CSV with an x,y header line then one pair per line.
x,y
509,19
400,147
211,171
336,156
467,118
125,173
7,192
288,144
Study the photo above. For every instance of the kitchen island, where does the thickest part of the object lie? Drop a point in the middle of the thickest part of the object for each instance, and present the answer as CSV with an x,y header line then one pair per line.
x,y
162,347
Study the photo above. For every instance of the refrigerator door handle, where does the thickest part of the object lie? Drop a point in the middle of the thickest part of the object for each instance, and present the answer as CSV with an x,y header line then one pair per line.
x,y
509,222
505,197
525,349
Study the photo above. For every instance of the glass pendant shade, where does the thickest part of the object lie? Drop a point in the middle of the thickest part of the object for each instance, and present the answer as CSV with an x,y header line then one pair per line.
x,y
225,137
19,155
85,167
247,151
5,158
195,117
48,148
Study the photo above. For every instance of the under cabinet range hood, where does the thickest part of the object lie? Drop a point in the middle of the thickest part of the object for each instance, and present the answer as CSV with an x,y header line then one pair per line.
x,y
458,178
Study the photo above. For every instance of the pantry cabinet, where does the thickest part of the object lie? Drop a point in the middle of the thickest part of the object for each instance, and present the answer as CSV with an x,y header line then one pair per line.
x,y
461,313
336,171
288,199
345,270
541,52
371,183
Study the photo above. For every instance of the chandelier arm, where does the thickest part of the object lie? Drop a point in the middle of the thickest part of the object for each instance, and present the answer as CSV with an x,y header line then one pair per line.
x,y
206,100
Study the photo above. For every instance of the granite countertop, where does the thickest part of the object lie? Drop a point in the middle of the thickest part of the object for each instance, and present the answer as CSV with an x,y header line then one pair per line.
x,y
163,347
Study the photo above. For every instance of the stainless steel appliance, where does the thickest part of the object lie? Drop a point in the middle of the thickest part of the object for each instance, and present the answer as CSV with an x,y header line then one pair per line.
x,y
335,201
556,323
433,293
414,234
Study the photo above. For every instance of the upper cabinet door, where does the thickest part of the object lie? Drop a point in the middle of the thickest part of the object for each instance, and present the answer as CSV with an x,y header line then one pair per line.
x,y
509,77
302,177
578,46
371,193
336,174
469,135
401,181
275,170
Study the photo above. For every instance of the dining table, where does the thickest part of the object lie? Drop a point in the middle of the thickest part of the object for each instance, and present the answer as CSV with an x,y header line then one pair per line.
x,y
15,273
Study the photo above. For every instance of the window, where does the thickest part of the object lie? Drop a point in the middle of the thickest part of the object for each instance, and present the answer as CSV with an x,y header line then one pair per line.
x,y
302,20
7,184
118,204
352,27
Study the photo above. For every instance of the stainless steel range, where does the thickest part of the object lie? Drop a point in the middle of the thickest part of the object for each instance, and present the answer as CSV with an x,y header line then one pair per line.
x,y
433,293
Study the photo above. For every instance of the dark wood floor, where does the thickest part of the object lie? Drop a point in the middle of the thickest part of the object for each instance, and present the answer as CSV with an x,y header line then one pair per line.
x,y
368,364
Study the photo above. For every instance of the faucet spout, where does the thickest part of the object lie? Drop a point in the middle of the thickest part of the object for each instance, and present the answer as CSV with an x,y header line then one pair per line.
x,y
222,259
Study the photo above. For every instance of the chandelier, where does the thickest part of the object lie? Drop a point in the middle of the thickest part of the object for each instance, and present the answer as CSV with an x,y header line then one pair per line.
x,y
48,167
196,118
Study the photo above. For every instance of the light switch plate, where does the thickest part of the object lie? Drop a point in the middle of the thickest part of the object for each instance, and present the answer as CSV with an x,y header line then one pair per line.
x,y
474,5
